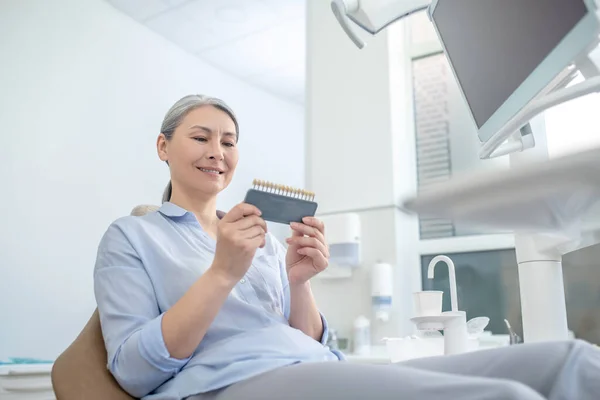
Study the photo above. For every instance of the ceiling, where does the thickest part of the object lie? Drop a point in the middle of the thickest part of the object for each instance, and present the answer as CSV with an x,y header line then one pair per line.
x,y
260,41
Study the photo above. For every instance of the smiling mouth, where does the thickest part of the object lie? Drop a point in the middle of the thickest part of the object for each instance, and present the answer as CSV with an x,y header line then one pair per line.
x,y
210,171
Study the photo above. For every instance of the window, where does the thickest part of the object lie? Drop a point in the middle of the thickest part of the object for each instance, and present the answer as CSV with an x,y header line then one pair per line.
x,y
434,159
581,272
487,285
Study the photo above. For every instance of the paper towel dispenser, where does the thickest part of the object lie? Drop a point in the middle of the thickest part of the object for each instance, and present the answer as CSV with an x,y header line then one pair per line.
x,y
342,232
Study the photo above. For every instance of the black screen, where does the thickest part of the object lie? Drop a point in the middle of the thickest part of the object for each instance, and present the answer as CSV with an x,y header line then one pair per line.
x,y
494,45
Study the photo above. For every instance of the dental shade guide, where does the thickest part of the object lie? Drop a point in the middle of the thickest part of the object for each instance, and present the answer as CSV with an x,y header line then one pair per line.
x,y
280,203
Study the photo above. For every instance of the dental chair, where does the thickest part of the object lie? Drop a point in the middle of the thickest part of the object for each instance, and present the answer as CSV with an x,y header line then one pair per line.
x,y
80,372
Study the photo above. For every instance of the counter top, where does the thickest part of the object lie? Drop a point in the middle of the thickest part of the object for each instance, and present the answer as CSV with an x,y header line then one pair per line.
x,y
25,369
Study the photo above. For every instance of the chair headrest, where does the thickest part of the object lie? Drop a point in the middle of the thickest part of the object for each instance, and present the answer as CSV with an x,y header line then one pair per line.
x,y
143,209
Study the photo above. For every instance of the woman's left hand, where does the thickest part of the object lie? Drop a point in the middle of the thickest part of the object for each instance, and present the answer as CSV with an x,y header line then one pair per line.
x,y
308,253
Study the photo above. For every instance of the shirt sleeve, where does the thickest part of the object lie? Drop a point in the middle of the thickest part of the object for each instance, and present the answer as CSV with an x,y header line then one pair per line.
x,y
130,317
281,252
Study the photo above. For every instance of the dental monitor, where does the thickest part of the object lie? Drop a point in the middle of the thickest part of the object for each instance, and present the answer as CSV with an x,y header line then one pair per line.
x,y
515,52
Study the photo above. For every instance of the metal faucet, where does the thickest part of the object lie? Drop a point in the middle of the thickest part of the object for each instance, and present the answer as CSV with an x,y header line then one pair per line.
x,y
514,338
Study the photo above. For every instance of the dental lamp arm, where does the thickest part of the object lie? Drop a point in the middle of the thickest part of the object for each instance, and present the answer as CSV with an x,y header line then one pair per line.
x,y
373,15
341,10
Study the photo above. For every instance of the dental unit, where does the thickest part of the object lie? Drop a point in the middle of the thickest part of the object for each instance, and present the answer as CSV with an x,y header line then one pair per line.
x,y
547,203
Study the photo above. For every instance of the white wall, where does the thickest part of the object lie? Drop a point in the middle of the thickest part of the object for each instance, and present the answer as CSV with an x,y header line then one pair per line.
x,y
84,90
360,158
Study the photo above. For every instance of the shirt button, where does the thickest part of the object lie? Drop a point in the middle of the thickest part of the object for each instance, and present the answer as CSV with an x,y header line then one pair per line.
x,y
242,280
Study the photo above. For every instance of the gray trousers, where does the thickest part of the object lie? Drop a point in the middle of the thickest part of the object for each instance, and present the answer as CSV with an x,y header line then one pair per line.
x,y
568,370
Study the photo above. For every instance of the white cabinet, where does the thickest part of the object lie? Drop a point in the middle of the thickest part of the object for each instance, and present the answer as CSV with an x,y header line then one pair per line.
x,y
26,382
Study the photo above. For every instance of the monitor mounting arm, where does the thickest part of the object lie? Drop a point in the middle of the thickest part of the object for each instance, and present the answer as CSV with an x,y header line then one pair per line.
x,y
588,66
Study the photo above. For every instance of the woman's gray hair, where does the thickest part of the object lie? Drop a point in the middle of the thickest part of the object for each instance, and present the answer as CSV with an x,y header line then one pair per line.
x,y
177,113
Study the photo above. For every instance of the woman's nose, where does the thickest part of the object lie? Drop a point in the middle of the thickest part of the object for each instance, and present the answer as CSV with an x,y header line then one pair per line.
x,y
215,151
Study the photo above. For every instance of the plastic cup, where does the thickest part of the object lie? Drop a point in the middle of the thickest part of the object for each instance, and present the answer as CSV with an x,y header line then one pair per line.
x,y
428,302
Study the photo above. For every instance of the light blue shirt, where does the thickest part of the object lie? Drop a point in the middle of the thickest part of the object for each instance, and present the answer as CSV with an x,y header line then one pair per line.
x,y
145,264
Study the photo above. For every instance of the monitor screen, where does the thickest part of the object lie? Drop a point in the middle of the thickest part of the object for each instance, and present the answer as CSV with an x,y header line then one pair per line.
x,y
494,45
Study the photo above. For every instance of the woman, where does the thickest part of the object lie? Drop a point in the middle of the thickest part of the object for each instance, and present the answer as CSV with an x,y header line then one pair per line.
x,y
199,304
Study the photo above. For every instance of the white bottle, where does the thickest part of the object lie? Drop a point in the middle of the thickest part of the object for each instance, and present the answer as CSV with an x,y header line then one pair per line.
x,y
362,336
381,290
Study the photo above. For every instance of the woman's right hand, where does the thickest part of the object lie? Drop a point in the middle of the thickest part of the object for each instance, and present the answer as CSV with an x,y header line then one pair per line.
x,y
239,233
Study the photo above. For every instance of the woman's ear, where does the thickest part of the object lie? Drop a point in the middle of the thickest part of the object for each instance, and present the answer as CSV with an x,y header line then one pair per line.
x,y
161,147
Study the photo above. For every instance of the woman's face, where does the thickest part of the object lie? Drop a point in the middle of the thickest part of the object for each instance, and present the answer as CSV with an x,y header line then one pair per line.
x,y
203,153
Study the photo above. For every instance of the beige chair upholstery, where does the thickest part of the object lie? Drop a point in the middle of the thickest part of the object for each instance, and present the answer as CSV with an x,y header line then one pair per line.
x,y
80,372
143,209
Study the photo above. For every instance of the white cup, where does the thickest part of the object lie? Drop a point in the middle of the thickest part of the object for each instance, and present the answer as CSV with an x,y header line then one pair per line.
x,y
428,302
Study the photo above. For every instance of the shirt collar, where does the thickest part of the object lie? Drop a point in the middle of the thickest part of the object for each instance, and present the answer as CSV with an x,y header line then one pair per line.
x,y
171,210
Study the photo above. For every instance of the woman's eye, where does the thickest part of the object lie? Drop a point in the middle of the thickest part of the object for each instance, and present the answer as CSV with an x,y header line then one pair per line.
x,y
228,144
200,139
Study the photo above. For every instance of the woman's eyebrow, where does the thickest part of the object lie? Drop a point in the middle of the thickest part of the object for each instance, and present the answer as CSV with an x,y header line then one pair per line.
x,y
210,131
202,128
